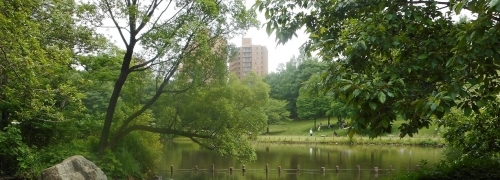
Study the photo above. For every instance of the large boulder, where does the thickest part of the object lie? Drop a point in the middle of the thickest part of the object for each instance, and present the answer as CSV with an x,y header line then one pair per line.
x,y
74,168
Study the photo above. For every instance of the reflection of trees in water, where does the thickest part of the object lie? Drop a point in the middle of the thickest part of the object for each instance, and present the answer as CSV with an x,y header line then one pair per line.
x,y
309,157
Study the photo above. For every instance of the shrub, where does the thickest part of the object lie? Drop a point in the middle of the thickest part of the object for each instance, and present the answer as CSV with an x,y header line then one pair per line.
x,y
471,169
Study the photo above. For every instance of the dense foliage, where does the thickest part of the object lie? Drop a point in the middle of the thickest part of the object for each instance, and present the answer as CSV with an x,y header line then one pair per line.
x,y
66,89
286,82
404,58
473,169
409,59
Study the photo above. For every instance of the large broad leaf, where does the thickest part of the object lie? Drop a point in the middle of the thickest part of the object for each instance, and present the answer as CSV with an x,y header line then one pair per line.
x,y
381,97
356,92
385,123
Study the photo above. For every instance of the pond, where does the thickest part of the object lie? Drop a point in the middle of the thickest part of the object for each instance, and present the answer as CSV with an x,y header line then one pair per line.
x,y
310,158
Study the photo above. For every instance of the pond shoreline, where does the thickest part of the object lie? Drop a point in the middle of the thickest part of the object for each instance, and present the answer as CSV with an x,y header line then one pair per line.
x,y
381,141
357,140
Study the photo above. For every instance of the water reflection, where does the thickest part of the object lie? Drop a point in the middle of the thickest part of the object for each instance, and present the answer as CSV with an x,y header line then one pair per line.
x,y
309,158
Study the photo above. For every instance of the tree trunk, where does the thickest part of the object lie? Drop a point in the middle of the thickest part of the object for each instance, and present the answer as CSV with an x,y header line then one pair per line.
x,y
5,119
340,121
315,123
103,143
267,129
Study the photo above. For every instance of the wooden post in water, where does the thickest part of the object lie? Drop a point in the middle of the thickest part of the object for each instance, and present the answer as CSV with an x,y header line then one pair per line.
x,y
243,170
267,168
418,167
298,168
196,169
359,169
376,170
213,168
390,169
171,170
323,170
337,169
230,170
279,169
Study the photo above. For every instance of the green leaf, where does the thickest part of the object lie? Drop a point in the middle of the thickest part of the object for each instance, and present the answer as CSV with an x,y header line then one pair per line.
x,y
346,87
493,3
423,56
475,108
373,105
447,98
388,16
433,106
356,92
467,111
458,7
440,109
381,97
385,123
268,28
381,27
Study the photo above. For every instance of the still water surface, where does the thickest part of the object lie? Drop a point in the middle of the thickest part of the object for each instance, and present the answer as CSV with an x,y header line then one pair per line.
x,y
184,156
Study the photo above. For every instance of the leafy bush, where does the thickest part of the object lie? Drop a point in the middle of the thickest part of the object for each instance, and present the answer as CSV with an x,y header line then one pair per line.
x,y
12,150
471,169
477,135
136,156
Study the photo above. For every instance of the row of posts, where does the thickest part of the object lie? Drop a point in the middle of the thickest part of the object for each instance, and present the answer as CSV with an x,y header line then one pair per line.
x,y
323,169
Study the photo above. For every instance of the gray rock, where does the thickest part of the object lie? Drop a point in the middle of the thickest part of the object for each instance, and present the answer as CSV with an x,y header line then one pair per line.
x,y
74,168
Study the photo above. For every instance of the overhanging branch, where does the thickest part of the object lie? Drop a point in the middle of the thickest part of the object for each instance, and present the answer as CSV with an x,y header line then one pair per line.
x,y
155,97
130,129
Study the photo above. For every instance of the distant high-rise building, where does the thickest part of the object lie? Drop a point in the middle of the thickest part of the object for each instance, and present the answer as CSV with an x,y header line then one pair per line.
x,y
249,58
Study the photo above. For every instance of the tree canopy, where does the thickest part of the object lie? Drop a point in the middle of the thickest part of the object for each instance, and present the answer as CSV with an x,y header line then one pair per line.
x,y
66,89
178,41
390,58
290,77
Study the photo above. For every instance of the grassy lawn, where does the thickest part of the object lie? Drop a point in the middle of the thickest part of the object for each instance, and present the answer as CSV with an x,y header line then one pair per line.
x,y
298,131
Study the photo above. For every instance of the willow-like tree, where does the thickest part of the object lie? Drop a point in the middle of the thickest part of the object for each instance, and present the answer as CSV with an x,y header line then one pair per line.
x,y
407,58
170,38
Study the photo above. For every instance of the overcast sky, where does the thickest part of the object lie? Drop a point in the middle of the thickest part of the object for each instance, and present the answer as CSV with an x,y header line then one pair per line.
x,y
277,54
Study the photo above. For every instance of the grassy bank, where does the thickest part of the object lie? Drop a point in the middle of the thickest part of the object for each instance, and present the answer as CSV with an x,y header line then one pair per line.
x,y
298,132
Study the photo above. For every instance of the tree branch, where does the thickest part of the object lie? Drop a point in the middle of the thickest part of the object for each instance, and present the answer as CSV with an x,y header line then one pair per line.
x,y
127,131
135,67
144,21
153,26
201,144
115,22
178,91
156,96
